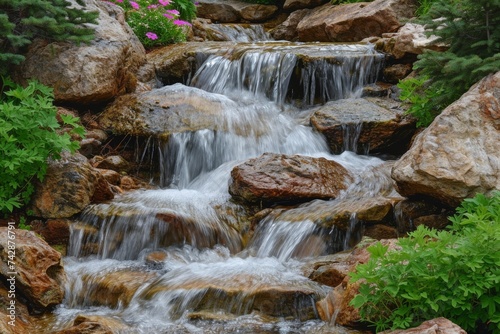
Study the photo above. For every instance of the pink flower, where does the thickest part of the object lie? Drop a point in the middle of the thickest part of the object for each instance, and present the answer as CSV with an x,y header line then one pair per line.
x,y
134,4
181,23
151,35
164,2
152,6
173,11
168,16
119,1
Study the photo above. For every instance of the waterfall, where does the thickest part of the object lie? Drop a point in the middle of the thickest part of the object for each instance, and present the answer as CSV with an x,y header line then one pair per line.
x,y
174,259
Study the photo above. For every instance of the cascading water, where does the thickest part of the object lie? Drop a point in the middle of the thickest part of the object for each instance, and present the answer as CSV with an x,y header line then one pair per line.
x,y
167,260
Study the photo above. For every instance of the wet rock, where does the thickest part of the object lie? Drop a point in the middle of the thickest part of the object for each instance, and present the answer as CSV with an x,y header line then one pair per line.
x,y
38,267
163,111
434,326
88,73
410,213
275,178
397,72
113,177
288,29
17,315
232,11
379,231
95,324
69,186
329,270
356,21
457,156
369,125
112,288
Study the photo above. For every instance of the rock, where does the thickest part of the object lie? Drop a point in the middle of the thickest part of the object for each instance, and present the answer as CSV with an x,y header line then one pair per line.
x,y
113,162
354,22
166,110
292,5
434,326
89,73
335,306
364,126
410,39
457,156
275,178
95,324
89,147
113,177
38,267
69,186
288,29
395,73
231,11
410,213
113,288
17,315
53,231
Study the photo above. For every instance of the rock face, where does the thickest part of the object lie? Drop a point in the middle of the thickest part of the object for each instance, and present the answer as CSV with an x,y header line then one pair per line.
x,y
291,5
457,156
38,267
69,186
288,29
362,126
93,73
275,178
354,22
234,11
434,326
162,111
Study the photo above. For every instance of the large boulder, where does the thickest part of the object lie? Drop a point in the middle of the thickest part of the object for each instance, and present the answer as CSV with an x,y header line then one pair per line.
x,y
94,72
70,184
457,156
276,178
165,110
288,29
356,21
31,267
364,126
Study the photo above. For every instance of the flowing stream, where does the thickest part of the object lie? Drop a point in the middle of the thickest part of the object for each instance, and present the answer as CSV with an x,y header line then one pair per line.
x,y
174,260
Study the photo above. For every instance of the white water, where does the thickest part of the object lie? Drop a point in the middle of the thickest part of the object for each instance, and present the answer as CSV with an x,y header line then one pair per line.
x,y
202,253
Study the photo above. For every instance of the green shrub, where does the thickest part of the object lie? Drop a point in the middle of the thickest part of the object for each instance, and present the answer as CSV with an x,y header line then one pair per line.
x,y
470,30
28,137
23,21
453,274
160,22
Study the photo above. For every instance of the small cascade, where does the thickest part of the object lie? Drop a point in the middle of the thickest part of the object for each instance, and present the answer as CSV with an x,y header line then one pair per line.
x,y
238,32
351,132
313,73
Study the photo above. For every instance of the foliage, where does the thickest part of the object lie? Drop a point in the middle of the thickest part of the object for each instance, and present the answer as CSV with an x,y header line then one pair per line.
x,y
454,274
470,30
23,21
28,138
339,2
415,91
159,22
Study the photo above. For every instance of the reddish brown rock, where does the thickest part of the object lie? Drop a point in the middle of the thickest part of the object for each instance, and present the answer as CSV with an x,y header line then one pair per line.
x,y
356,21
277,178
95,324
70,184
53,231
38,267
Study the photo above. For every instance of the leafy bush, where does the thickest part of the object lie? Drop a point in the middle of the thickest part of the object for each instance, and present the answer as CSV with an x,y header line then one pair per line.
x,y
159,23
454,274
22,21
28,138
470,29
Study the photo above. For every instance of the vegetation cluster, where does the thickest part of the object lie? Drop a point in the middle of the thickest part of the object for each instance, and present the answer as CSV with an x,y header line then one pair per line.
x,y
453,273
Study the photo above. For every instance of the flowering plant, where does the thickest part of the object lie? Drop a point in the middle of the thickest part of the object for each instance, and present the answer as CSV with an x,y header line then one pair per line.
x,y
158,22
